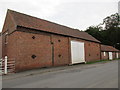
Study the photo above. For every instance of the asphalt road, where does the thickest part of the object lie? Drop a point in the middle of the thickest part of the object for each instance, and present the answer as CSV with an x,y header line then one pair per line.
x,y
102,75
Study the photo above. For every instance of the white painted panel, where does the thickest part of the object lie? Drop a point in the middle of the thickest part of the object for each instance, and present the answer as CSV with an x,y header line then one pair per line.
x,y
77,52
104,53
110,56
117,56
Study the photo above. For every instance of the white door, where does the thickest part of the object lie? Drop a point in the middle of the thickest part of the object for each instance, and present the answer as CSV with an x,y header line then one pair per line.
x,y
117,55
110,56
77,52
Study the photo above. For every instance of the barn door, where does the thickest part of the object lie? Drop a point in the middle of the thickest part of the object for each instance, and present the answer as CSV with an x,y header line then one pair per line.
x,y
77,52
110,56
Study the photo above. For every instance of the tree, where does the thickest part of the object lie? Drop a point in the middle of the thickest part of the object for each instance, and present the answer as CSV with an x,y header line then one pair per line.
x,y
111,34
112,21
95,32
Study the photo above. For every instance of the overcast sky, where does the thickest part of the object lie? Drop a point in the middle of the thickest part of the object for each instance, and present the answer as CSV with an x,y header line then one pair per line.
x,y
78,14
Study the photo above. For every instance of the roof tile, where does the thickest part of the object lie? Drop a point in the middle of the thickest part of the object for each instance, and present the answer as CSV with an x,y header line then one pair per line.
x,y
108,48
43,25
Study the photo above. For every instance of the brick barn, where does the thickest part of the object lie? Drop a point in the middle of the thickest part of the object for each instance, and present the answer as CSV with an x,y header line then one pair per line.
x,y
109,52
36,43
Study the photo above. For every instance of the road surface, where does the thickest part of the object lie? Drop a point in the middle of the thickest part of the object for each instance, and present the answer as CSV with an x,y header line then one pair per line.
x,y
99,75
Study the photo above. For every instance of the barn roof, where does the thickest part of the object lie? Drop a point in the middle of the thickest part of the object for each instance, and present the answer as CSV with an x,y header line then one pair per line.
x,y
108,48
27,21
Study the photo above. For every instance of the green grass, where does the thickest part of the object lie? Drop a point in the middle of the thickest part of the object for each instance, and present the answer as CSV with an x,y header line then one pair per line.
x,y
117,59
98,61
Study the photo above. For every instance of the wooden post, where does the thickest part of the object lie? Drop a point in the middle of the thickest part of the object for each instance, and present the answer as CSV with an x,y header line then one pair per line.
x,y
5,67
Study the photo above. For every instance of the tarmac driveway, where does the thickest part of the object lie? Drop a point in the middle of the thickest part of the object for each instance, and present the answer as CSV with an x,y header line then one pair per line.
x,y
99,75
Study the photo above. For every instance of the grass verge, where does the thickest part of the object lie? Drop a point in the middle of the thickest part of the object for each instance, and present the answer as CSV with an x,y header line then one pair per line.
x,y
100,61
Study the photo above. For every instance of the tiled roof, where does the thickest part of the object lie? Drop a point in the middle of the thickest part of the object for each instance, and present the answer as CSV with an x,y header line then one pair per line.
x,y
43,25
108,48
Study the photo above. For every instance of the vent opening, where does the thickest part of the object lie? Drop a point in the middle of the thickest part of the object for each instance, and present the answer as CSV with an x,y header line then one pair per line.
x,y
33,56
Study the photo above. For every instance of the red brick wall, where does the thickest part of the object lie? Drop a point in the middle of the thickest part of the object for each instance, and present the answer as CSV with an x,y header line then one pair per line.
x,y
114,55
0,46
119,55
92,50
21,46
61,50
47,47
11,47
104,57
40,47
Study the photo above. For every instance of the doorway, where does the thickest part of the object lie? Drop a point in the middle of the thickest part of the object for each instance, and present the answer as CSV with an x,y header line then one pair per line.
x,y
77,52
110,56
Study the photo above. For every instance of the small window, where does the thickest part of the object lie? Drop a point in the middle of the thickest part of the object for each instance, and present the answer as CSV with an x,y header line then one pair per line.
x,y
33,56
104,53
89,55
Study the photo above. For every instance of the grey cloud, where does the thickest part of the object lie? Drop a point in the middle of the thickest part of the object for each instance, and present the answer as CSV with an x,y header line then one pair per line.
x,y
73,13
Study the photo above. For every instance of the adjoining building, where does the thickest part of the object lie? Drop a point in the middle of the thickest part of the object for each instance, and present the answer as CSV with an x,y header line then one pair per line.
x,y
109,52
35,43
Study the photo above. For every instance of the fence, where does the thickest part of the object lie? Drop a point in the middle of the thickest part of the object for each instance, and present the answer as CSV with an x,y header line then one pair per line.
x,y
7,66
